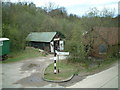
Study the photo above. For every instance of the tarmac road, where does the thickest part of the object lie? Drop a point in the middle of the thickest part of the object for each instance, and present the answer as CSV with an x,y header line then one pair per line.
x,y
104,79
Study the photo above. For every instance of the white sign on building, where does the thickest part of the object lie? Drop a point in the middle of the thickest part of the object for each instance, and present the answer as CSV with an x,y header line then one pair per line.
x,y
52,46
61,45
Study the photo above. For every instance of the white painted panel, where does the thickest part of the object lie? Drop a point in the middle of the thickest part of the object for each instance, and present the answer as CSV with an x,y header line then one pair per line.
x,y
62,53
61,45
52,46
55,71
54,64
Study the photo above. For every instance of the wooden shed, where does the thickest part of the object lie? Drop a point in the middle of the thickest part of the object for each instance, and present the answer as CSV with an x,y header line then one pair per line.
x,y
43,40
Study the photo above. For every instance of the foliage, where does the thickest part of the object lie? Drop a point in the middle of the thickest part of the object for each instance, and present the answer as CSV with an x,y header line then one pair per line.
x,y
19,19
76,46
22,55
113,52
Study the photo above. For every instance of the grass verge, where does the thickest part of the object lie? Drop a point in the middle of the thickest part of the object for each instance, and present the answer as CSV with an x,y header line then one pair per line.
x,y
29,52
67,69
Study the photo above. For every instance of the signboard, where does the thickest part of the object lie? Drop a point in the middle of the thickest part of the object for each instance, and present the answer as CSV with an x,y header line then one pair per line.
x,y
62,53
52,47
61,45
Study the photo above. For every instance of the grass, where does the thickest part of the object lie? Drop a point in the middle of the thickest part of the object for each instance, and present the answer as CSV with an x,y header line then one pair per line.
x,y
67,69
29,52
99,65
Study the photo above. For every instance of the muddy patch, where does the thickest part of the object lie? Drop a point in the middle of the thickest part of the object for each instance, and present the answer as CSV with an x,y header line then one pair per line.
x,y
75,79
29,66
36,80
33,80
32,70
72,81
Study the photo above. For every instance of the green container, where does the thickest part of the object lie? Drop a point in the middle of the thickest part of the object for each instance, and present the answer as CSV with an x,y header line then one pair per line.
x,y
4,46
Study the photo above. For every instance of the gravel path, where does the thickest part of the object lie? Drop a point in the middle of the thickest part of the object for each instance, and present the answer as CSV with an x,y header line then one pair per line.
x,y
26,73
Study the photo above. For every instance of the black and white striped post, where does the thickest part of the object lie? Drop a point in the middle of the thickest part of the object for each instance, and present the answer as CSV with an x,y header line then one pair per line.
x,y
55,56
55,65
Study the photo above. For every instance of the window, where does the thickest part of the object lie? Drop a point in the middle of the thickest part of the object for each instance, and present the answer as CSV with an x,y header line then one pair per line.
x,y
102,49
1,43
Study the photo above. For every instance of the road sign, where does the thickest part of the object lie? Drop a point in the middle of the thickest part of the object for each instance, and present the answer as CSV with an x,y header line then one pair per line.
x,y
62,53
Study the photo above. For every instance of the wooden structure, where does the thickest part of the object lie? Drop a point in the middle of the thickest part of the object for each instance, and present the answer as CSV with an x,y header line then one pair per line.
x,y
44,41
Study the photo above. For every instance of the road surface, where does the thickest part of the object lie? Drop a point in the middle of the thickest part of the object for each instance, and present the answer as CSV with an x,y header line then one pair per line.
x,y
104,79
26,73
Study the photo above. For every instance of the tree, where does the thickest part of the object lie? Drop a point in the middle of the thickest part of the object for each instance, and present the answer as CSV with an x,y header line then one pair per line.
x,y
50,6
59,12
75,45
19,19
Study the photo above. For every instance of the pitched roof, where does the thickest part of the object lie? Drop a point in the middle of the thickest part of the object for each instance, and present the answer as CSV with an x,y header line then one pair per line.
x,y
41,36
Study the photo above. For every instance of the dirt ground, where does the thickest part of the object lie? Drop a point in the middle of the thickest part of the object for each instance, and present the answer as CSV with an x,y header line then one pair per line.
x,y
28,74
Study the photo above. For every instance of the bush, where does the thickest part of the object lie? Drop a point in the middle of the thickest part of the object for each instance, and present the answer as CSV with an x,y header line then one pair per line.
x,y
113,52
77,51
